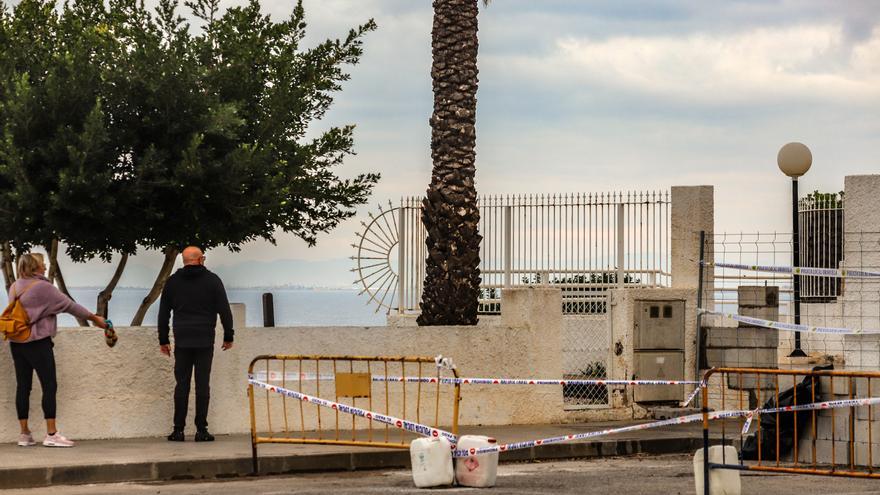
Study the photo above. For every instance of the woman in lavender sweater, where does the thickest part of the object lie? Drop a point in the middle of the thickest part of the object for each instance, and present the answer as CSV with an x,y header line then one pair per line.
x,y
42,302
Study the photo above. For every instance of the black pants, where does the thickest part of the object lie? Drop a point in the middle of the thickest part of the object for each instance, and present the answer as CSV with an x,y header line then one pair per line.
x,y
29,357
185,360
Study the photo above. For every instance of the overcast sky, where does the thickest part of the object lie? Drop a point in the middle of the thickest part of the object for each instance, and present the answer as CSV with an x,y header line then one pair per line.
x,y
588,96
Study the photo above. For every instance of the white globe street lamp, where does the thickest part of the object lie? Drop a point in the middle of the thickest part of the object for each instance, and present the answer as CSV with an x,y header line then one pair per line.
x,y
795,159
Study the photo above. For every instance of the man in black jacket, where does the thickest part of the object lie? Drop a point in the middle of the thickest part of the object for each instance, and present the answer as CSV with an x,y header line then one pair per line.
x,y
196,296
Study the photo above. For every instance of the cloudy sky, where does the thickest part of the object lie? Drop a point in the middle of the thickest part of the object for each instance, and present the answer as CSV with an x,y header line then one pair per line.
x,y
581,96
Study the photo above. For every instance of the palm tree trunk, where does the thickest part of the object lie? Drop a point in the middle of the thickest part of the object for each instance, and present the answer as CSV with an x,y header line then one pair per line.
x,y
449,210
159,284
102,307
55,276
7,263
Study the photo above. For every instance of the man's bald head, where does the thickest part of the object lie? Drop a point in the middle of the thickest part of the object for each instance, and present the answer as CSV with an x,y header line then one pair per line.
x,y
192,256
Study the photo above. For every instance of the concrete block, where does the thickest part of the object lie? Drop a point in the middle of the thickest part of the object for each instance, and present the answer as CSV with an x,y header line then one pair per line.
x,y
742,337
751,381
721,337
764,358
805,448
872,412
842,424
715,357
840,454
866,431
826,426
867,455
757,295
841,386
763,312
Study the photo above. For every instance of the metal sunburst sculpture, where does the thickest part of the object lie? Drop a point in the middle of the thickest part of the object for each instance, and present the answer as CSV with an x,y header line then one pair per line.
x,y
376,250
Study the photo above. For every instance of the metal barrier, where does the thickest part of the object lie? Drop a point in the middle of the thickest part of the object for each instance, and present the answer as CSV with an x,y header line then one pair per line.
x,y
346,379
824,432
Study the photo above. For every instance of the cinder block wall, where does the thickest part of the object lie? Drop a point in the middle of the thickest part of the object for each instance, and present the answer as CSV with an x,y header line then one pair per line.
x,y
745,346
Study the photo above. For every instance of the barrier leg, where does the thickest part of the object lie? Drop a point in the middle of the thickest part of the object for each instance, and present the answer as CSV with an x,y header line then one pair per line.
x,y
256,464
705,410
705,460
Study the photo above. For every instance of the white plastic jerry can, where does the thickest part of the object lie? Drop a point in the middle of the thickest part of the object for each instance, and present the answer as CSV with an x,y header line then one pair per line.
x,y
476,470
431,462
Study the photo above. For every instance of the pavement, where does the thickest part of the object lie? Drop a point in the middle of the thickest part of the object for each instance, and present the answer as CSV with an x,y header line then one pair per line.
x,y
631,475
156,459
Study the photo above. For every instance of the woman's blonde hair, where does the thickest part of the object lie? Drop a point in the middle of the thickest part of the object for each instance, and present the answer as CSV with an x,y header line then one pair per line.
x,y
29,263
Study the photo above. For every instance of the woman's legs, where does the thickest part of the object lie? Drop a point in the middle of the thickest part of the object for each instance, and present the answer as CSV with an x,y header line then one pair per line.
x,y
44,365
24,378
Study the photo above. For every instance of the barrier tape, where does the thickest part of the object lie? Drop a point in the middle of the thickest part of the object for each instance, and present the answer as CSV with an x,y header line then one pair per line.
x,y
402,424
778,325
692,418
694,394
748,423
428,431
444,362
799,270
275,376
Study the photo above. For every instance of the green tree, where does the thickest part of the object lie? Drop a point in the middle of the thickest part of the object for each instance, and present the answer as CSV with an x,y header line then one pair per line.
x,y
6,69
120,128
55,147
237,166
449,210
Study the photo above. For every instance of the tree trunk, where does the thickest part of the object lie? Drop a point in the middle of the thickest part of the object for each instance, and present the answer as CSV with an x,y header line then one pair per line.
x,y
57,277
52,251
102,307
7,265
449,210
170,254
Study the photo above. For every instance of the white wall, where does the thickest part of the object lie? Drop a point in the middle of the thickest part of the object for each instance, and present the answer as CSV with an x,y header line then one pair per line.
x,y
127,391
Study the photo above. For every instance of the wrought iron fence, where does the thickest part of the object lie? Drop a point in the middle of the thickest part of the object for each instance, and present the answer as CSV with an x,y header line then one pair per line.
x,y
584,243
821,243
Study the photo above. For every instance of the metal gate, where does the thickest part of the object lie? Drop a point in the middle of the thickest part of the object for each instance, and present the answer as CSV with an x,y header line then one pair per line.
x,y
586,343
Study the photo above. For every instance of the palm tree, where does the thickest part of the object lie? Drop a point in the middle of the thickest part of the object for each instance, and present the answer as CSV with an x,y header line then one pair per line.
x,y
449,210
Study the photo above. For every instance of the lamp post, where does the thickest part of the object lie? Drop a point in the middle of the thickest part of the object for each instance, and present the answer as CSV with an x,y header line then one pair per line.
x,y
794,159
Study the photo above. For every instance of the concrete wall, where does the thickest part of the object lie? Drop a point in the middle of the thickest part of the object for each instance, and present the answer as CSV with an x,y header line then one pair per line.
x,y
858,306
622,321
127,391
693,210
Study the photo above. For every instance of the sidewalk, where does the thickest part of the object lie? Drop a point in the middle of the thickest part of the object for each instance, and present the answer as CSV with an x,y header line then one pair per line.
x,y
155,459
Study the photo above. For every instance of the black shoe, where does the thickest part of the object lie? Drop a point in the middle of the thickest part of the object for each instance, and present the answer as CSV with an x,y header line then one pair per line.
x,y
204,436
176,436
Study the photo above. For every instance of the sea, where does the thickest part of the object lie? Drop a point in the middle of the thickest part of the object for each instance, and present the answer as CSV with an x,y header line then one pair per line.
x,y
293,306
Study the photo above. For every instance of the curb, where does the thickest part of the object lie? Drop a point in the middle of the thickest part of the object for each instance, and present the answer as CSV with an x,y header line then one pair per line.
x,y
344,461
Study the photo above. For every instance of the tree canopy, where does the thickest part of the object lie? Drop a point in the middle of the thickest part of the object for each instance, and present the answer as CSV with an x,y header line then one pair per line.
x,y
125,127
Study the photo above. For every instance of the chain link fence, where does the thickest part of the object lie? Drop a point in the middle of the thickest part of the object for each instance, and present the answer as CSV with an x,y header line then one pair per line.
x,y
585,342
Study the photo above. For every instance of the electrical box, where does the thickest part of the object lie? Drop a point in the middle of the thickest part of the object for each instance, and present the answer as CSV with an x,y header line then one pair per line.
x,y
659,365
659,325
658,346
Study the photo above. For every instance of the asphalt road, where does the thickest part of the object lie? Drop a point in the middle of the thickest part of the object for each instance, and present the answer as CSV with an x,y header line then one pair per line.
x,y
671,474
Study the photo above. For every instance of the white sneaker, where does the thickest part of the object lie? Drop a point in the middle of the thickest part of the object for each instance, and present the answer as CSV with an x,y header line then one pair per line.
x,y
57,440
26,440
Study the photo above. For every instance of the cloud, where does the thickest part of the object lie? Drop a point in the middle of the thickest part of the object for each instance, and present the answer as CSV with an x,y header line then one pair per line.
x,y
757,66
